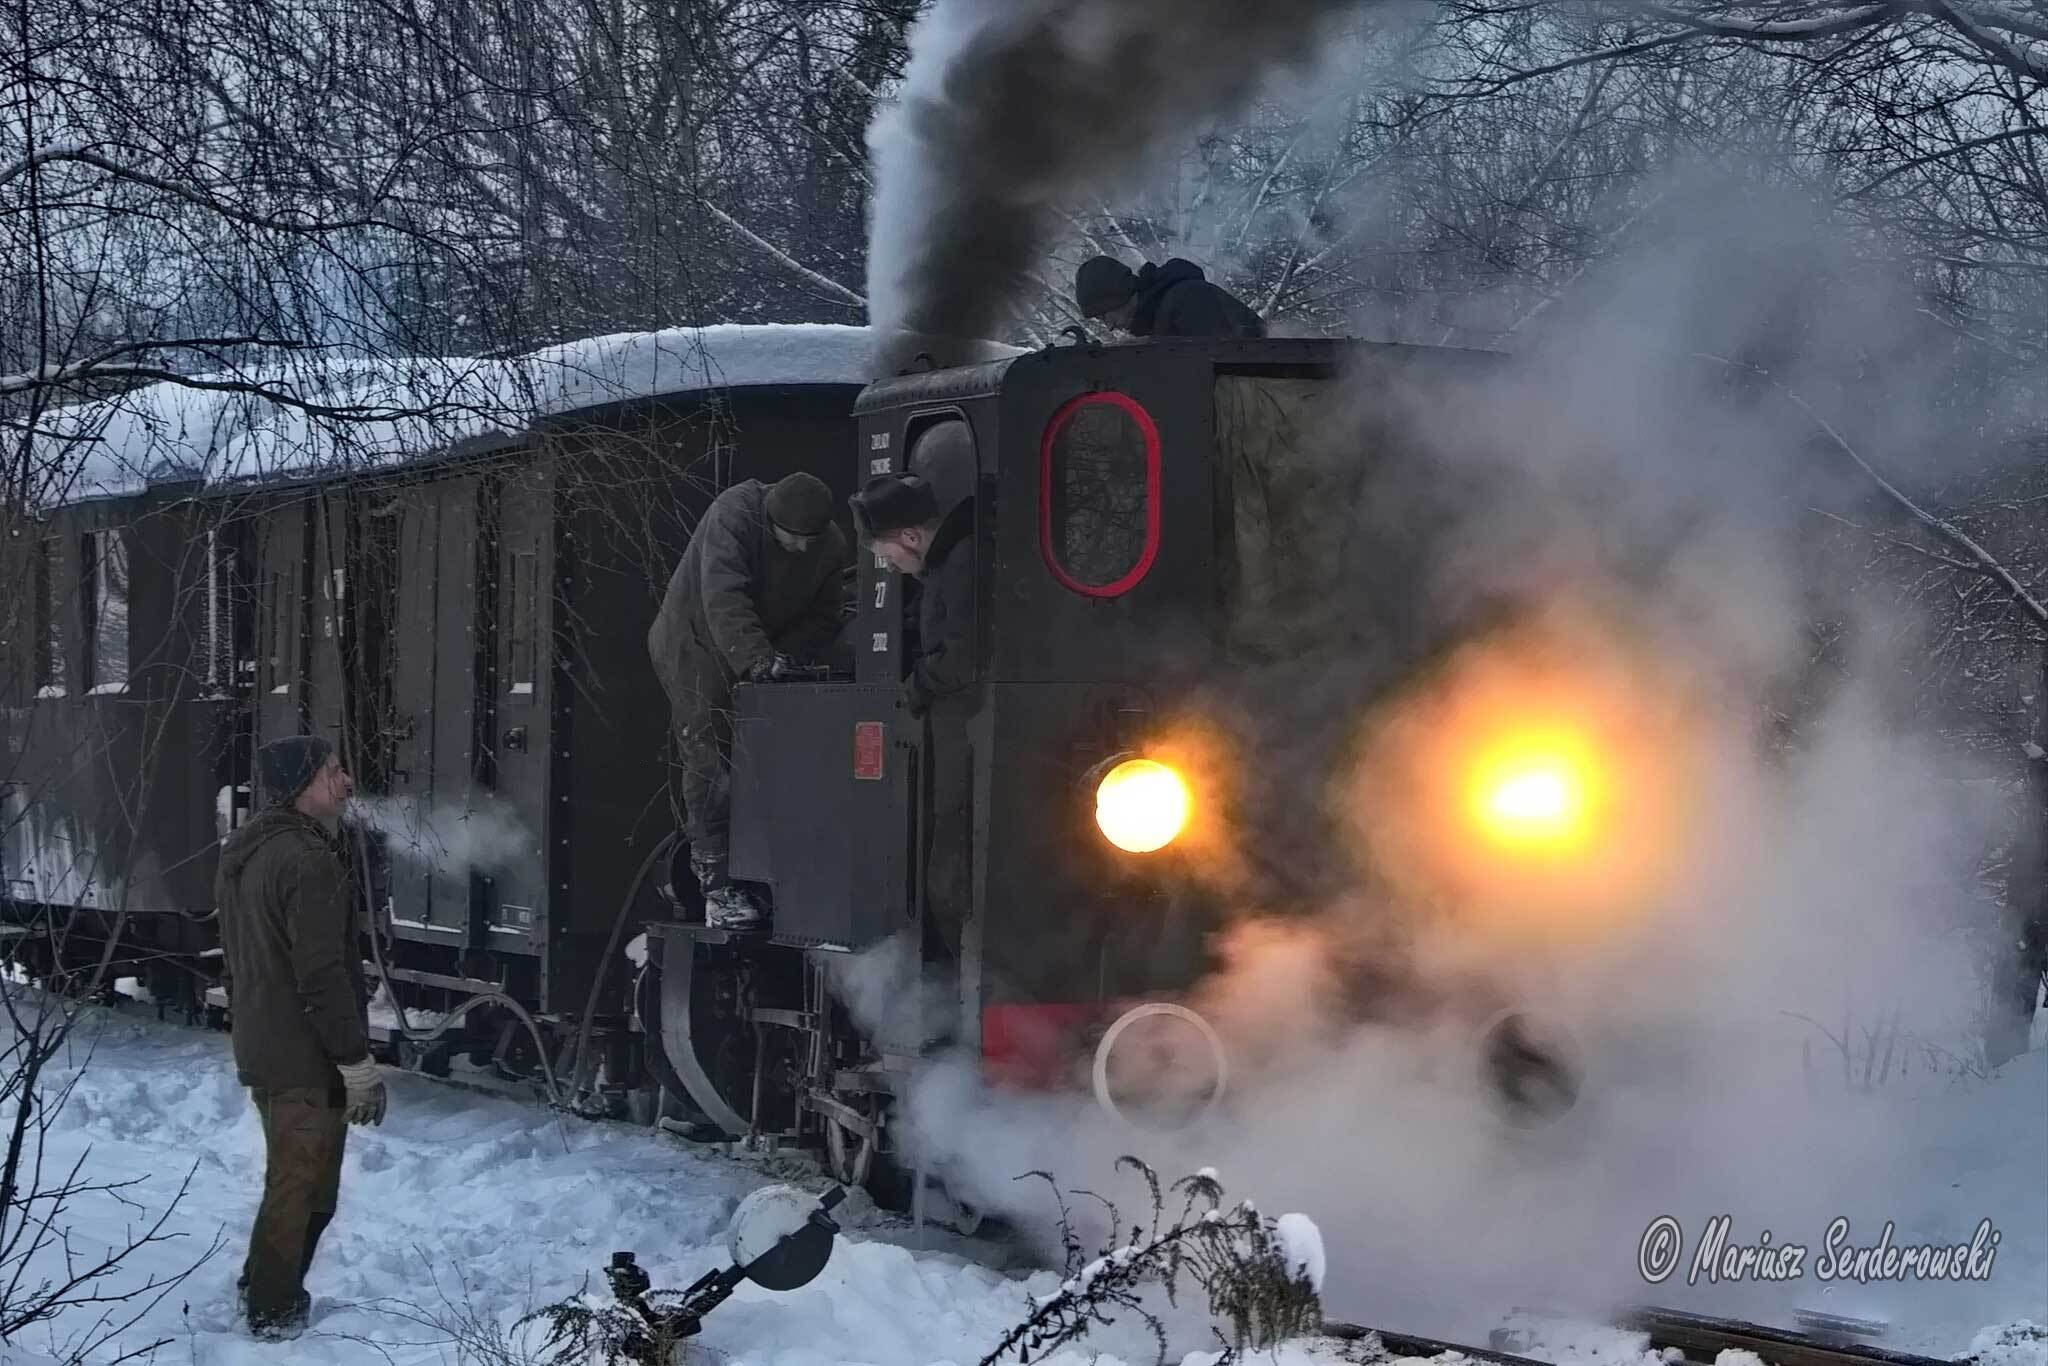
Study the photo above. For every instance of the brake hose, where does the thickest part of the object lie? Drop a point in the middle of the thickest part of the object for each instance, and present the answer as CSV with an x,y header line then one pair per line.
x,y
462,1008
604,960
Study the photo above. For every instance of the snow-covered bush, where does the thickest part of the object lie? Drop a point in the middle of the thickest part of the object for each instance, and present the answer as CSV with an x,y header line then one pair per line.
x,y
590,1328
1263,1277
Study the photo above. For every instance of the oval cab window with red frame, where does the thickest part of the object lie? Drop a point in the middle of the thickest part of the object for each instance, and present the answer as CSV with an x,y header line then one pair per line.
x,y
1098,504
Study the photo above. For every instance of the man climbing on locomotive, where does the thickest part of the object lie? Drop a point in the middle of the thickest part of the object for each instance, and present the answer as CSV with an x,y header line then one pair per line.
x,y
761,587
901,519
1173,300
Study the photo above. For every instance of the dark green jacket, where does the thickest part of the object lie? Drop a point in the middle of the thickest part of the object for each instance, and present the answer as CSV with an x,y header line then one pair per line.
x,y
1175,301
945,663
293,971
738,596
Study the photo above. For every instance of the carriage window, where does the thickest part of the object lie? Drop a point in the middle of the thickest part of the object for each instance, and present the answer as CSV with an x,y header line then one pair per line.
x,y
49,624
21,617
522,611
1099,494
106,610
281,625
220,612
267,612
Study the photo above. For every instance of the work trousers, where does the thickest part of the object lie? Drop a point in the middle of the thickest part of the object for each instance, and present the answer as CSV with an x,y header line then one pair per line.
x,y
700,705
701,711
304,1131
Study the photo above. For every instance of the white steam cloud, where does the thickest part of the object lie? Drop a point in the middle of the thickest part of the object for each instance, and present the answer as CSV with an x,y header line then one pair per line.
x,y
445,836
893,998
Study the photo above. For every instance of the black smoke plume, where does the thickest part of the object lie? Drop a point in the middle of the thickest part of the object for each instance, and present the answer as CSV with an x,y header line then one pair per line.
x,y
1011,105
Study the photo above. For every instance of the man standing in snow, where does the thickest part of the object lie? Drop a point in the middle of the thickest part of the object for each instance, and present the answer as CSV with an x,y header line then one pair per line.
x,y
293,974
900,517
1172,300
762,585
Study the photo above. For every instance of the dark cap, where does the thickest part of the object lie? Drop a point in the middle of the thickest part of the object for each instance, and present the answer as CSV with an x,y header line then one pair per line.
x,y
800,504
892,502
1102,283
286,766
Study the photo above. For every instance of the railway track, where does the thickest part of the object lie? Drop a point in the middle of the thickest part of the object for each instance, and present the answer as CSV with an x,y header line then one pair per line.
x,y
1698,1338
1702,1338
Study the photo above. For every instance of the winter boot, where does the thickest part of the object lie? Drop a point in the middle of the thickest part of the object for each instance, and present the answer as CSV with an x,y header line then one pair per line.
x,y
732,908
726,906
282,1327
709,870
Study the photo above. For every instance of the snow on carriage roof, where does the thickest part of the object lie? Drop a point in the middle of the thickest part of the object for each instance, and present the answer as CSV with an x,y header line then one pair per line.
x,y
403,409
727,355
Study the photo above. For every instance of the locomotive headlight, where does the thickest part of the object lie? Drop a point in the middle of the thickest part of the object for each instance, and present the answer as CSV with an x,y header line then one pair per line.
x,y
1541,781
1533,799
1141,805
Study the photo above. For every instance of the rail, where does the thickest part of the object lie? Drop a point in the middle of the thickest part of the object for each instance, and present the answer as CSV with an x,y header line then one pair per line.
x,y
1702,1338
1699,1338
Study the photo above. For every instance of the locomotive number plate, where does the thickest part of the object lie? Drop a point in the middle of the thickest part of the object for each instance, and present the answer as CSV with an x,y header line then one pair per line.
x,y
867,751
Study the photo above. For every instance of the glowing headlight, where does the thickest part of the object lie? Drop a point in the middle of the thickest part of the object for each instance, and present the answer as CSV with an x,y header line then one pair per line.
x,y
1535,797
1141,805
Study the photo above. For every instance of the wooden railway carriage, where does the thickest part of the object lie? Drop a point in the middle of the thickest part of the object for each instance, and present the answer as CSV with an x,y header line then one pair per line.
x,y
468,625
106,675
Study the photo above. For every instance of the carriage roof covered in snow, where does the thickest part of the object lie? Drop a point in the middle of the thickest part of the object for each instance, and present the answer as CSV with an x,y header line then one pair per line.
x,y
307,415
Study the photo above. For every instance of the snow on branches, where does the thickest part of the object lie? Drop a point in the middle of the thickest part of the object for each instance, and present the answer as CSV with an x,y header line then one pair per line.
x,y
1263,1277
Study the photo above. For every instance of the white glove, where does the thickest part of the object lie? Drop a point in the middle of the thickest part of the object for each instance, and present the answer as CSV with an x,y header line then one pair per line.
x,y
365,1091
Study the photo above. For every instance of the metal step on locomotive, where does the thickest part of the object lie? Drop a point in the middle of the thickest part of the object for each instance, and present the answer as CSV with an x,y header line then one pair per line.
x,y
468,621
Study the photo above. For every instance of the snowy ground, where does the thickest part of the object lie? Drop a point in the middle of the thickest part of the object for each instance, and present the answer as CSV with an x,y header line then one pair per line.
x,y
469,1206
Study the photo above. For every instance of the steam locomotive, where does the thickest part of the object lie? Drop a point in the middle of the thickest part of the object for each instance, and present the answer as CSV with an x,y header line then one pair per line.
x,y
469,624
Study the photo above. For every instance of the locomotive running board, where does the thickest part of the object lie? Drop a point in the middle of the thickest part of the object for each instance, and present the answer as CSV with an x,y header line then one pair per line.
x,y
707,934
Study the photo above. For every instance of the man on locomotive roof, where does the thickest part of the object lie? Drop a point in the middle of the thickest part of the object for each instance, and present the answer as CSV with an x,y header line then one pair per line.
x,y
1172,300
899,517
293,974
762,585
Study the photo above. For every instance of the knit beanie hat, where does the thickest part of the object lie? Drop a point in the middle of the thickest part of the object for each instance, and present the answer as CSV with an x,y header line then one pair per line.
x,y
1102,283
286,766
800,504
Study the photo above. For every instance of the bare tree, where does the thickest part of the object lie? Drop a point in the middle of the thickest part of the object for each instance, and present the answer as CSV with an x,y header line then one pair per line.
x,y
77,1294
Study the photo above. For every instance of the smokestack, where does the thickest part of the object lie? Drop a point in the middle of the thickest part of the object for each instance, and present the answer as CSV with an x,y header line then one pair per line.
x,y
1009,106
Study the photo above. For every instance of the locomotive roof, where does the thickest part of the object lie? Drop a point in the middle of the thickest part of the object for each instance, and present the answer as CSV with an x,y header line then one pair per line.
x,y
423,407
1278,355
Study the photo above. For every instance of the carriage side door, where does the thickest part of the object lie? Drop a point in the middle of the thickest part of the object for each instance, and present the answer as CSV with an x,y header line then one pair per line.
x,y
514,710
432,658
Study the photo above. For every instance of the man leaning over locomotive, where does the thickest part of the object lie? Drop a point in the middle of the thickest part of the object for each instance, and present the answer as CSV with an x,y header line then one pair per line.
x,y
900,518
1173,300
293,973
762,585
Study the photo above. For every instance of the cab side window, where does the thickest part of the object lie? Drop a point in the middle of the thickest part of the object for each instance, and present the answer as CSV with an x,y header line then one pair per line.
x,y
1099,494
